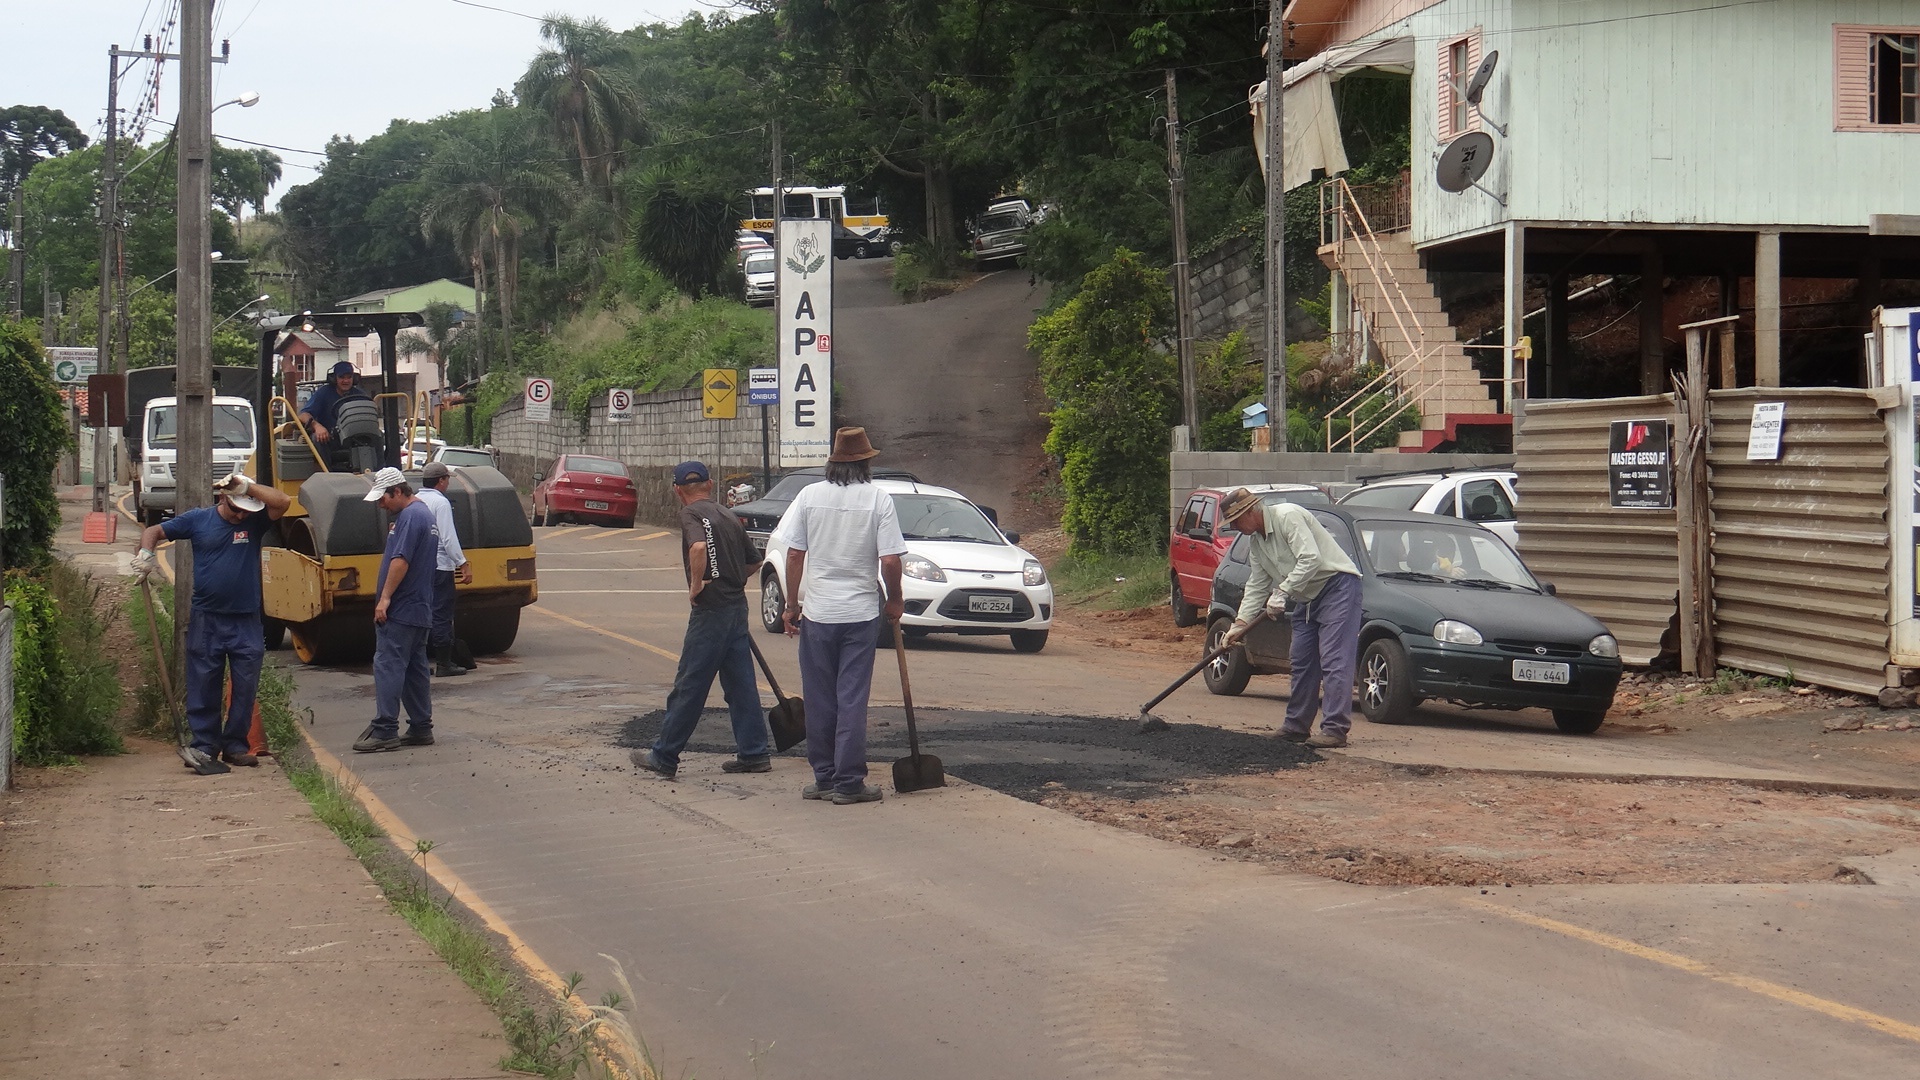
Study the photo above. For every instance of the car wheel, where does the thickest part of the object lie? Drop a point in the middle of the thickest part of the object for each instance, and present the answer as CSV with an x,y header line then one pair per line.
x,y
1184,614
859,251
550,519
773,605
1578,721
1386,685
1229,672
627,524
1028,640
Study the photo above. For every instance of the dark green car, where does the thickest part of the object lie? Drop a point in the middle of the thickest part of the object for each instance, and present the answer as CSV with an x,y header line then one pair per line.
x,y
1448,612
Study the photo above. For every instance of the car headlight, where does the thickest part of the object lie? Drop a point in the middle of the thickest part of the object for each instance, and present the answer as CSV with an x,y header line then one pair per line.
x,y
919,566
1604,646
1033,573
1456,633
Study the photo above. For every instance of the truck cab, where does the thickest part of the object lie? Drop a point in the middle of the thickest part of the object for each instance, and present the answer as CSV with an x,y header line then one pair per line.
x,y
233,444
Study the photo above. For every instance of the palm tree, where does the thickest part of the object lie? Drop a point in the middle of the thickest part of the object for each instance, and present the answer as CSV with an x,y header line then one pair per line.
x,y
580,83
442,331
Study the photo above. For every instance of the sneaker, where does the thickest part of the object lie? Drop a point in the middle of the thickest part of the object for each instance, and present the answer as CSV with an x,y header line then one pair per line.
x,y
644,759
867,793
417,737
240,758
1293,736
1325,741
372,742
816,791
758,764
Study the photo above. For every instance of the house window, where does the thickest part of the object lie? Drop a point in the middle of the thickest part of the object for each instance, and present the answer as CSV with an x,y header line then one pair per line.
x,y
1876,78
1458,58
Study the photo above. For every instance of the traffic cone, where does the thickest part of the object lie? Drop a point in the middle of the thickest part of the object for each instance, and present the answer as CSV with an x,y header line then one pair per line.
x,y
256,734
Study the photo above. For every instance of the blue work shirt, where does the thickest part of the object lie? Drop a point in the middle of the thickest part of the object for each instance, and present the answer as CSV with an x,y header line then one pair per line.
x,y
411,536
226,558
324,402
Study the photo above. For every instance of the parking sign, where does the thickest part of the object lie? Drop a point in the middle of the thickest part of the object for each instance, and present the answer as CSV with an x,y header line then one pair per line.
x,y
619,406
539,400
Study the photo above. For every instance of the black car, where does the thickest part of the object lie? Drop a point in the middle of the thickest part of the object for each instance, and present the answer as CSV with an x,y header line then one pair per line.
x,y
1448,611
762,515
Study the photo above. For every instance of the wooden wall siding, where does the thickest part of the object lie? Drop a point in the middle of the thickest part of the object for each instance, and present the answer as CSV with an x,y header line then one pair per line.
x,y
1620,566
1440,214
1802,549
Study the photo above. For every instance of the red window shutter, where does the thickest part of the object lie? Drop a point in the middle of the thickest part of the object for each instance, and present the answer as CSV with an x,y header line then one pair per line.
x,y
1852,49
1445,68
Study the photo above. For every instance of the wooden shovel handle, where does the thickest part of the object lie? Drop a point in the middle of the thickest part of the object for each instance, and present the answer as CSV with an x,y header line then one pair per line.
x,y
906,688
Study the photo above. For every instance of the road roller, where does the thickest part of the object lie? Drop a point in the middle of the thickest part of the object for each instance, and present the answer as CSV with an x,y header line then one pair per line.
x,y
320,565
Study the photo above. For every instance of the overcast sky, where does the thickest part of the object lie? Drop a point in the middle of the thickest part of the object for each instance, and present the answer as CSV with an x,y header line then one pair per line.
x,y
321,67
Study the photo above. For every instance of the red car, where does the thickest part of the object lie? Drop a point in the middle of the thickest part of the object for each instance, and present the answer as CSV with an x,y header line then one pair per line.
x,y
1200,539
582,488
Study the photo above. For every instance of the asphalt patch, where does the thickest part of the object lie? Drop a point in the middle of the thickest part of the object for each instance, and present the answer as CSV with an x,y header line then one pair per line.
x,y
1028,755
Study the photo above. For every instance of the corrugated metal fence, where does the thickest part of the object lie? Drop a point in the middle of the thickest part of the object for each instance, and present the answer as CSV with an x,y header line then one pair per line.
x,y
1801,546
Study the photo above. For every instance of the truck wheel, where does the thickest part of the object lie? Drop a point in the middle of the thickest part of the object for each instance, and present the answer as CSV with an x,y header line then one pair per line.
x,y
1229,673
274,632
1386,683
491,630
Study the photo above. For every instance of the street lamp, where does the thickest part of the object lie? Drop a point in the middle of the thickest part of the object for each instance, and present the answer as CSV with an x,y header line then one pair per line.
x,y
246,101
212,257
256,300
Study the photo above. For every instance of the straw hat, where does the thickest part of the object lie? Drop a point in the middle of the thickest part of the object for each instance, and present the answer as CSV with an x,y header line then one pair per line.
x,y
850,444
1237,502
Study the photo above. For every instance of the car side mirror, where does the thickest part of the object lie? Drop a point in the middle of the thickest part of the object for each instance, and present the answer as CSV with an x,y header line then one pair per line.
x,y
1548,586
1199,534
1012,537
539,476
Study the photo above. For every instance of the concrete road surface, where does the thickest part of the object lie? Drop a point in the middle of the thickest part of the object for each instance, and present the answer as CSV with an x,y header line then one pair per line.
x,y
961,933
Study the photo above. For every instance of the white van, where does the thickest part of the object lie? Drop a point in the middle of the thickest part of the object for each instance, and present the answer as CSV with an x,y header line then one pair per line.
x,y
233,445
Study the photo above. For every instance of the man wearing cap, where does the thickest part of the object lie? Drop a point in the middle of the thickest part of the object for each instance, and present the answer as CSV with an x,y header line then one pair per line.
x,y
324,403
842,539
449,567
720,562
1296,559
224,636
403,617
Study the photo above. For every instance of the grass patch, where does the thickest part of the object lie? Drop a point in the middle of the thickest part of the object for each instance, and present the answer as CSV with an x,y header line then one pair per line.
x,y
150,715
542,1035
1111,582
66,682
1731,681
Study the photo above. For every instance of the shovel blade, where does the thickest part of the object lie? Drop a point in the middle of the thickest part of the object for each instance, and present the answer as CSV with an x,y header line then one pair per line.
x,y
917,773
788,720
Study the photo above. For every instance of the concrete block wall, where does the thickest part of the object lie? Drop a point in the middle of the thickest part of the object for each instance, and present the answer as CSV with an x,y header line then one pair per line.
x,y
667,428
1230,469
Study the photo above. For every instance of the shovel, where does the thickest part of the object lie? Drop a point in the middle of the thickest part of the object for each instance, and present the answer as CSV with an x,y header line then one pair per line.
x,y
916,771
788,717
1150,722
197,760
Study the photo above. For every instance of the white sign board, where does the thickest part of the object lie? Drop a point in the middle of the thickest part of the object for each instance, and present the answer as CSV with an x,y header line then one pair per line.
x,y
73,365
806,341
619,406
540,400
763,386
1763,437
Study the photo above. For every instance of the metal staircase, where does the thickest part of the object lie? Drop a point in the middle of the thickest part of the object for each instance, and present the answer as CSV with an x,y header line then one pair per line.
x,y
1425,367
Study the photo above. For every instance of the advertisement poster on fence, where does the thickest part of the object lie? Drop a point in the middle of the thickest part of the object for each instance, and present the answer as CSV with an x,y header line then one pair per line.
x,y
1639,465
806,341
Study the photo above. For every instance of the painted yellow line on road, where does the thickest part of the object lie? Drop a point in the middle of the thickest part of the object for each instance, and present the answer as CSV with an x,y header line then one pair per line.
x,y
635,642
652,535
555,534
1786,995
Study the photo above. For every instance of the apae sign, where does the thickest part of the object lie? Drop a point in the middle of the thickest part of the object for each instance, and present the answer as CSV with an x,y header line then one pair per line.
x,y
1639,465
806,341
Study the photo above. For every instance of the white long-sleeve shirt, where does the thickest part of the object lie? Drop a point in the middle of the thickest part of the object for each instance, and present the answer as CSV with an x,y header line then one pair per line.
x,y
449,557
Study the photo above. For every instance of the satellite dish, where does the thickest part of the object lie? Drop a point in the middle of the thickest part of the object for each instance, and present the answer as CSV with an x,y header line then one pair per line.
x,y
1482,75
1465,160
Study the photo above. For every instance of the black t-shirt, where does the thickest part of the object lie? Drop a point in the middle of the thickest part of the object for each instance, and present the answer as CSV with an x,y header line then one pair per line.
x,y
728,555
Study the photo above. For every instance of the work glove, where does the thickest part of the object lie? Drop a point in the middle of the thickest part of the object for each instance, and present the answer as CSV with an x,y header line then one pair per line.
x,y
143,564
234,485
1237,631
1277,604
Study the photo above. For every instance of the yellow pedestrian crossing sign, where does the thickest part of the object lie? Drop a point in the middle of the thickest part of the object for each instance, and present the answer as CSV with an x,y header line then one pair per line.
x,y
720,394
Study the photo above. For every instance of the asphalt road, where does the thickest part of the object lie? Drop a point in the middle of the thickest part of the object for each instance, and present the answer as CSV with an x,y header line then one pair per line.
x,y
967,933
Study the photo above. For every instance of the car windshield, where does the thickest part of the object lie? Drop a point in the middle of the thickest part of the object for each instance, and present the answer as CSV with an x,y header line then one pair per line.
x,y
453,456
595,465
232,427
1003,221
1448,553
1387,496
941,517
760,262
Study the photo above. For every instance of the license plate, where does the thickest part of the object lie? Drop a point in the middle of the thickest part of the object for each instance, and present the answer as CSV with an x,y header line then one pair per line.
x,y
990,605
591,505
1536,672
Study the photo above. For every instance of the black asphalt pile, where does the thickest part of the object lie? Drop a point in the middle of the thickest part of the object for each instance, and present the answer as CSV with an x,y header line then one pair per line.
x,y
1028,755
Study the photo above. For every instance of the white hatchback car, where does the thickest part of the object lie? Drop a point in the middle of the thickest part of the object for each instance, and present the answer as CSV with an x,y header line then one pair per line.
x,y
1482,496
961,575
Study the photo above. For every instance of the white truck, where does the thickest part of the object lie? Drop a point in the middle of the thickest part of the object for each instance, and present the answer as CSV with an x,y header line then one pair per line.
x,y
233,446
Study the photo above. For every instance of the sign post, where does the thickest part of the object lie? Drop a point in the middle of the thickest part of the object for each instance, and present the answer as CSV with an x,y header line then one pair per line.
x,y
763,389
805,337
540,400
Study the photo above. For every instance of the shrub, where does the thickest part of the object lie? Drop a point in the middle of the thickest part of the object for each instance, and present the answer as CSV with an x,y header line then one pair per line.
x,y
33,435
66,684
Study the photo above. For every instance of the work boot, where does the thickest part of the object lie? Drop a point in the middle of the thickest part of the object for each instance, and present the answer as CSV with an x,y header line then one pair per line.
x,y
645,759
822,792
1325,741
867,793
417,736
371,741
239,757
443,665
1294,736
740,764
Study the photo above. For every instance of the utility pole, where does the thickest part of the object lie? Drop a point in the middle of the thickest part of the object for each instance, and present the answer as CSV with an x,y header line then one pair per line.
x,y
1182,283
193,482
1276,233
109,246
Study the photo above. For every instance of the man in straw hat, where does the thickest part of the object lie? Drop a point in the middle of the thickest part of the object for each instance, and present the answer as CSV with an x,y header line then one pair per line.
x,y
1296,560
842,539
403,618
224,635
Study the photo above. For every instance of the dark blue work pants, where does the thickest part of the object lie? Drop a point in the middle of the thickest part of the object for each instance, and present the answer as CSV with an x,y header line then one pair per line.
x,y
442,632
716,644
401,675
219,643
836,678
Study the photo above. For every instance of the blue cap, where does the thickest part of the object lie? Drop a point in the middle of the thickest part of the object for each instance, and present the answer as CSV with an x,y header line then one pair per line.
x,y
344,367
689,472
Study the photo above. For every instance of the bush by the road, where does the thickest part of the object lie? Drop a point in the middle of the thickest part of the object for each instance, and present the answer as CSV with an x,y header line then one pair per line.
x,y
33,435
66,685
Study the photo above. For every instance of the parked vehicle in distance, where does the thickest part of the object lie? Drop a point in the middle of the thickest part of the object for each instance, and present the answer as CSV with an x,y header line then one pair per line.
x,y
1200,538
1001,232
762,514
1483,496
579,487
960,574
460,457
233,445
420,443
760,270
1448,612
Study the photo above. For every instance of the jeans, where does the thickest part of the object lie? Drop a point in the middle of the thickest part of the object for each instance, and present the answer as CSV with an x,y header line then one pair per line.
x,y
836,677
1326,644
716,643
442,632
219,643
401,674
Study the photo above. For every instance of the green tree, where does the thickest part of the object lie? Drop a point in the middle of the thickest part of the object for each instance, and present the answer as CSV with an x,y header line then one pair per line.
x,y
33,435
582,86
442,336
29,134
1104,364
684,225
